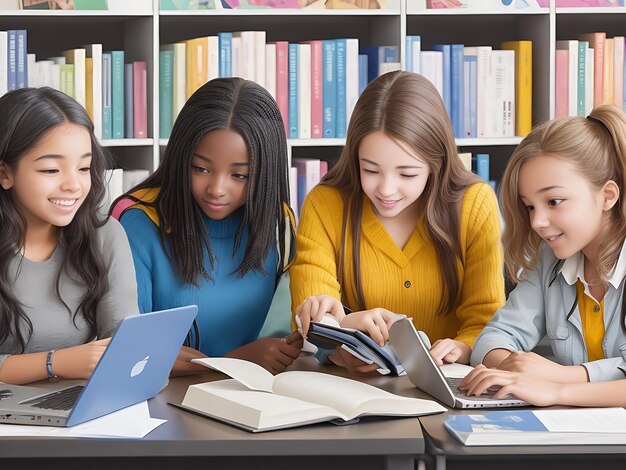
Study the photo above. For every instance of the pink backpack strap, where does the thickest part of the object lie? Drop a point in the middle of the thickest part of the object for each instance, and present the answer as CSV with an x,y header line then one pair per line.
x,y
121,206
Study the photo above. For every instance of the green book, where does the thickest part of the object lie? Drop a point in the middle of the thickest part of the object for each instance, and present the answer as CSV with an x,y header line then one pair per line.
x,y
166,93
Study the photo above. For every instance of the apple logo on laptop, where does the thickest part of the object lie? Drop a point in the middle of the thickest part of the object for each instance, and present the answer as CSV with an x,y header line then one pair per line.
x,y
138,368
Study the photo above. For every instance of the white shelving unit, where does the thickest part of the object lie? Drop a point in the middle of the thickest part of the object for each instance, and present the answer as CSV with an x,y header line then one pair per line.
x,y
140,29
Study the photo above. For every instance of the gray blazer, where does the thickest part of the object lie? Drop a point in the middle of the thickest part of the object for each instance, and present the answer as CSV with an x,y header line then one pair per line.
x,y
545,304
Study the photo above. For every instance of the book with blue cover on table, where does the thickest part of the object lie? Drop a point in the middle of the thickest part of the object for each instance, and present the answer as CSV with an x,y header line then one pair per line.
x,y
539,427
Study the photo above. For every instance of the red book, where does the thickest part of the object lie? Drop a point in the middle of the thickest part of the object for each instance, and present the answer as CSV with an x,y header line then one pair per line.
x,y
562,83
282,81
140,98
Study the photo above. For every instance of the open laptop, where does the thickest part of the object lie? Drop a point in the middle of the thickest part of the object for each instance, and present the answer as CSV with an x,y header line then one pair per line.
x,y
412,347
133,368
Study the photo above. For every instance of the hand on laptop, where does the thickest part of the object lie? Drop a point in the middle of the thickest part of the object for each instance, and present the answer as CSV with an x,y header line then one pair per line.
x,y
535,392
273,354
315,307
449,350
540,368
78,362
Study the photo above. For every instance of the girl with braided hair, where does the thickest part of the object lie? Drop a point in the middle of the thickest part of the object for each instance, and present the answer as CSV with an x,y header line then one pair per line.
x,y
212,226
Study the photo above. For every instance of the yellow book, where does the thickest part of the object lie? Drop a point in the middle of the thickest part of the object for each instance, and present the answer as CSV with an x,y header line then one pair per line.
x,y
89,86
197,66
609,60
523,84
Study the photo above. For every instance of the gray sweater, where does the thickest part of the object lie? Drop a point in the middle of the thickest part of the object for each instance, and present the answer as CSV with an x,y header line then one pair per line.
x,y
53,326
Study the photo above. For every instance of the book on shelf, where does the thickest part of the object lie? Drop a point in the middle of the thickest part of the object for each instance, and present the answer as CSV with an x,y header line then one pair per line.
x,y
129,99
329,336
256,400
587,426
523,84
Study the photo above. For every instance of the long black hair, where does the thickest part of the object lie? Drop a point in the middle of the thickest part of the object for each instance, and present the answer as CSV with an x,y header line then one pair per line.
x,y
27,115
247,108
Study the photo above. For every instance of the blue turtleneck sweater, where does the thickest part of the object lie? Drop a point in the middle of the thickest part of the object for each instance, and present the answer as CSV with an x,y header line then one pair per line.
x,y
231,310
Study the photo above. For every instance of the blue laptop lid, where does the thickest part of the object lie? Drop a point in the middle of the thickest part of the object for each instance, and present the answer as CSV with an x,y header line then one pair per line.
x,y
136,363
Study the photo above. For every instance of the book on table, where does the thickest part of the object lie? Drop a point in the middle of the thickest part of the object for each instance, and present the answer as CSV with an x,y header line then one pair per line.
x,y
585,426
256,400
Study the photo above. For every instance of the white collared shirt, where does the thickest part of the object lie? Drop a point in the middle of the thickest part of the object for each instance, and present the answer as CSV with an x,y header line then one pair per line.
x,y
574,268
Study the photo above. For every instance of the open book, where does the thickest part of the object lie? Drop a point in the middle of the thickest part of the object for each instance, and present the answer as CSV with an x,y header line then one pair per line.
x,y
540,427
256,400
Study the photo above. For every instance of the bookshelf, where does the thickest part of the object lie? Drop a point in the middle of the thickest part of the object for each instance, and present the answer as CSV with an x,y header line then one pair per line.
x,y
139,28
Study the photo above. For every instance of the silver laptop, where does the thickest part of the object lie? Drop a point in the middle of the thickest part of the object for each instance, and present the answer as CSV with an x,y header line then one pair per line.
x,y
412,347
133,368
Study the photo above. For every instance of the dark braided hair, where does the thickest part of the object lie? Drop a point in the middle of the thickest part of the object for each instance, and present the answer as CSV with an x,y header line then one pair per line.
x,y
247,108
27,115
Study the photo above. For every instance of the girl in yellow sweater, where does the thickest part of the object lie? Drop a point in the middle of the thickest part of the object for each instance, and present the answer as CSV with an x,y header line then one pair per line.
x,y
399,225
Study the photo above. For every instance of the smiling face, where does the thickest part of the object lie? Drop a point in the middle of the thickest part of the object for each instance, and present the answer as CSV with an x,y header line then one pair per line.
x,y
564,210
392,178
51,181
219,173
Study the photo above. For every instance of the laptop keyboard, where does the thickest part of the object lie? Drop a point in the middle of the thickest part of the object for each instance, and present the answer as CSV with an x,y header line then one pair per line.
x,y
454,383
61,400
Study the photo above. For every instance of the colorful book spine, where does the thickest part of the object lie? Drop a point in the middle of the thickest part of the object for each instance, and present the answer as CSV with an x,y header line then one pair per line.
x,y
12,60
583,46
561,83
457,88
596,42
329,88
304,91
129,130
523,84
340,107
166,93
107,112
140,100
293,91
482,165
317,77
117,93
282,81
225,44
20,58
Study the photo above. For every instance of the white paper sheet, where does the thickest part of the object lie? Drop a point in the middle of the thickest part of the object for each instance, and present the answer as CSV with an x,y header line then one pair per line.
x,y
133,422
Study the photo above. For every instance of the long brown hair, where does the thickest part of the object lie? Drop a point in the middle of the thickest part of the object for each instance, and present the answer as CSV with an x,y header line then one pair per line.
x,y
596,146
408,109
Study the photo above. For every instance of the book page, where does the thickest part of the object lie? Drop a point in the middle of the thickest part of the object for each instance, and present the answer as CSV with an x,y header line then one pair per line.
x,y
349,397
231,401
602,420
248,373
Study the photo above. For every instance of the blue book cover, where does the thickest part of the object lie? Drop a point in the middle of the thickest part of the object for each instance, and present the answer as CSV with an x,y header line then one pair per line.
x,y
226,47
526,427
107,115
129,128
482,165
447,94
329,88
12,60
117,93
456,88
293,90
362,72
340,47
166,93
20,59
372,62
462,426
